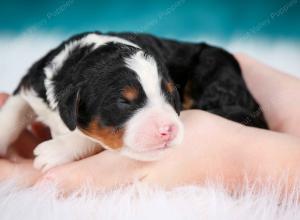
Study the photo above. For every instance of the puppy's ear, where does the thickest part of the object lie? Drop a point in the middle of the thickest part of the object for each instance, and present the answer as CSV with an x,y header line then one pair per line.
x,y
68,108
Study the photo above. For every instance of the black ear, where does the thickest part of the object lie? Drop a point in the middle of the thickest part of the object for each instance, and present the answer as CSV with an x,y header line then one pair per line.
x,y
68,107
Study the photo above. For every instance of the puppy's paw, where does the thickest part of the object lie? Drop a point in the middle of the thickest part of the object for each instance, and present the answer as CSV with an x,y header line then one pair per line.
x,y
50,154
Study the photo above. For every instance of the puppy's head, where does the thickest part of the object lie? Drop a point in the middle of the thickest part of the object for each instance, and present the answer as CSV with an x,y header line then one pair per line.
x,y
126,102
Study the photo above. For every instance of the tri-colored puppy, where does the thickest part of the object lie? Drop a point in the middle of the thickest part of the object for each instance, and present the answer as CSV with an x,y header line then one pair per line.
x,y
122,91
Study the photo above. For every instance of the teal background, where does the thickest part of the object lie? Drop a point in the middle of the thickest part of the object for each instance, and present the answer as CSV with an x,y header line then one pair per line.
x,y
182,19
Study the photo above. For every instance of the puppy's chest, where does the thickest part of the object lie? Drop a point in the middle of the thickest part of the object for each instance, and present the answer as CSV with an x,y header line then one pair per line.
x,y
46,115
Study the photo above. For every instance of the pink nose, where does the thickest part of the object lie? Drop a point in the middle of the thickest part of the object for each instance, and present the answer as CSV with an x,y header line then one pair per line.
x,y
167,132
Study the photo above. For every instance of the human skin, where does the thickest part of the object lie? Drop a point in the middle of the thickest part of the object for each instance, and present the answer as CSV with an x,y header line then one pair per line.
x,y
276,92
213,147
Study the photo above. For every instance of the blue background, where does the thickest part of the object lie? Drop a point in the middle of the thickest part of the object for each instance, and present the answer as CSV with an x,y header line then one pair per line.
x,y
171,18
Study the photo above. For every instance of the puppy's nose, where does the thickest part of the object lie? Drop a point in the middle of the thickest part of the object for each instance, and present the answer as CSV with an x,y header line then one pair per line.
x,y
167,132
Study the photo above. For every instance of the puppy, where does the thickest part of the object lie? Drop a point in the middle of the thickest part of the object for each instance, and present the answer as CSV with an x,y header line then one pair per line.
x,y
123,92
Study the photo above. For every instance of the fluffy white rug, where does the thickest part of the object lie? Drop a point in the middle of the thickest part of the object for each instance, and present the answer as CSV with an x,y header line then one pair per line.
x,y
140,202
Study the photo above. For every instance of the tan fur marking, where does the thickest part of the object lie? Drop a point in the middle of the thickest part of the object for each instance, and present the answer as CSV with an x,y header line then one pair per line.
x,y
188,101
130,93
170,87
107,135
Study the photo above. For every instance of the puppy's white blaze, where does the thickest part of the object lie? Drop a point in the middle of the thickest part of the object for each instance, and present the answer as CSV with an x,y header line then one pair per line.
x,y
146,69
51,69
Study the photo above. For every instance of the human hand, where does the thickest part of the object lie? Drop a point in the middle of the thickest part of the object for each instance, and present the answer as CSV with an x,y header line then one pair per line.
x,y
213,149
202,154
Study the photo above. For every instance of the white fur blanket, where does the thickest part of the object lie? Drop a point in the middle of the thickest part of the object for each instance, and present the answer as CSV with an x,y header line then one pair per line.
x,y
140,202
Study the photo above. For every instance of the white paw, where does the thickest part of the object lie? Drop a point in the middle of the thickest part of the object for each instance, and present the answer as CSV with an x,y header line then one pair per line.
x,y
50,154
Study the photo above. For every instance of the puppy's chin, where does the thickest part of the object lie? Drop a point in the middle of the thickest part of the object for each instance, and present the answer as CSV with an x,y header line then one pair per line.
x,y
151,155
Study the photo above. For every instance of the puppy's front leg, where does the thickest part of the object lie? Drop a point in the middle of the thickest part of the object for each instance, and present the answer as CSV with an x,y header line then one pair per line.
x,y
64,149
15,115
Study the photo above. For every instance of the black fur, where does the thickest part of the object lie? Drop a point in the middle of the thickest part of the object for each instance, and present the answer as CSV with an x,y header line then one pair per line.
x,y
89,83
215,75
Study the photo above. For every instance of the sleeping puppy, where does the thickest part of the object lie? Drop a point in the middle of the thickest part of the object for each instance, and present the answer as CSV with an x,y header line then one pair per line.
x,y
123,92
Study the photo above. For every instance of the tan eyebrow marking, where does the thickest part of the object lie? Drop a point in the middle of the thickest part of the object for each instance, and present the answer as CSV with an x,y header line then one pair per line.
x,y
107,135
130,93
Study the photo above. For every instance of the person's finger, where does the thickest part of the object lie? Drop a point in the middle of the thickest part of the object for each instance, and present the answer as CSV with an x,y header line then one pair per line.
x,y
23,172
3,98
41,131
6,170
